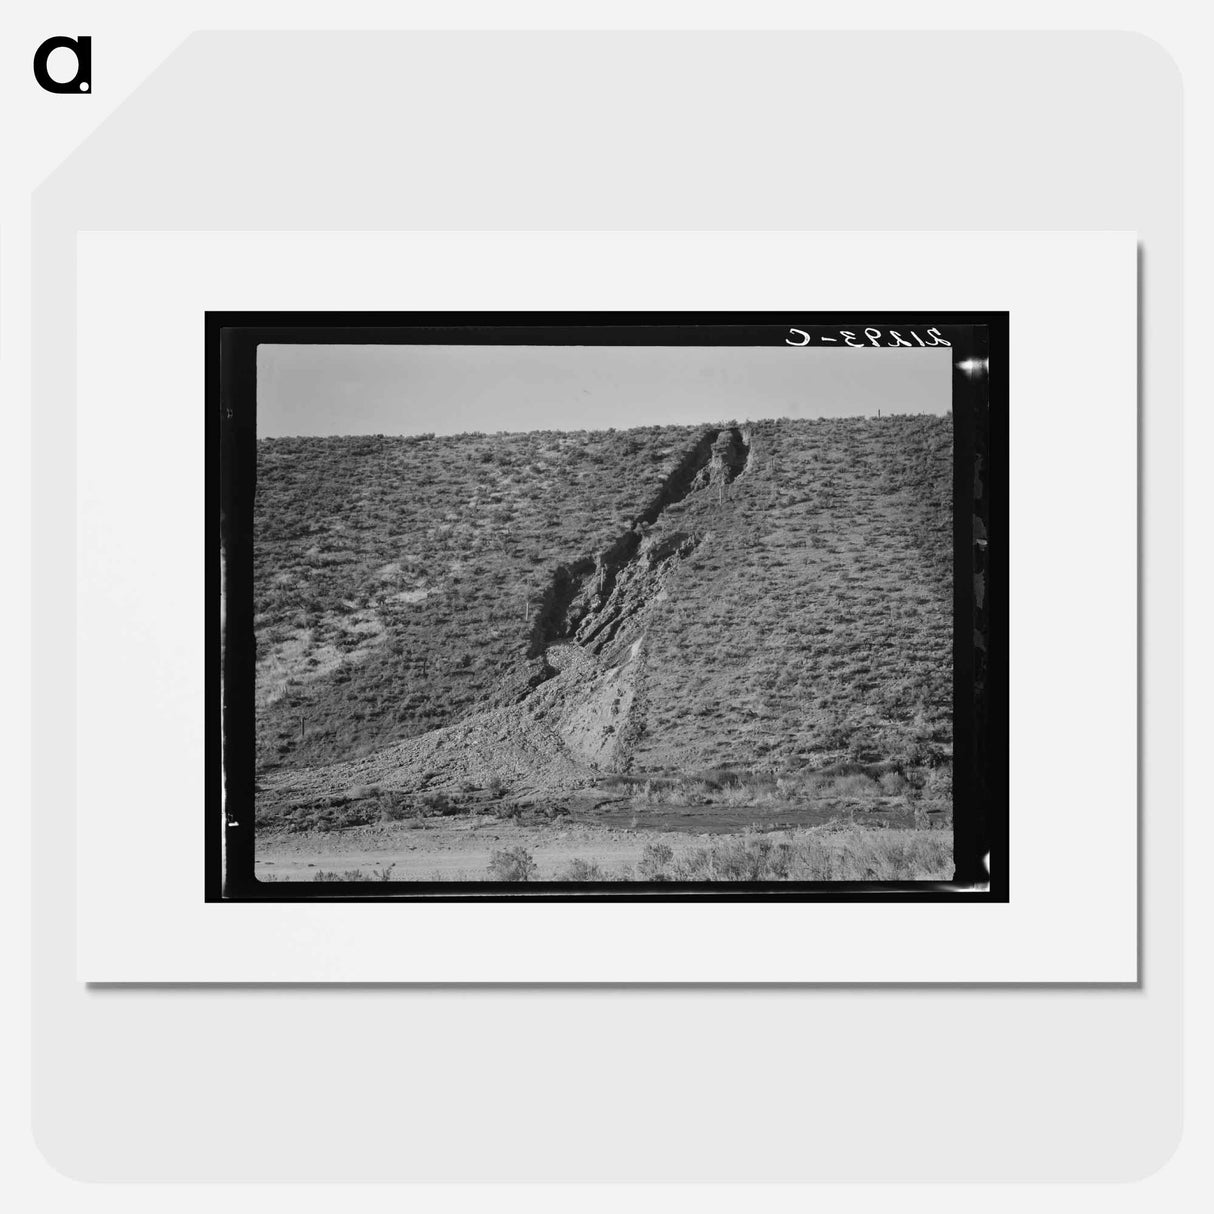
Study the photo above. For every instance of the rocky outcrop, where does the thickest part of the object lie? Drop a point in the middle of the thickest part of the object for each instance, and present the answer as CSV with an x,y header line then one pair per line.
x,y
729,456
584,600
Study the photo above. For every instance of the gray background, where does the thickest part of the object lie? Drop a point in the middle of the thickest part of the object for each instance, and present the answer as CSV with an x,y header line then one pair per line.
x,y
1009,131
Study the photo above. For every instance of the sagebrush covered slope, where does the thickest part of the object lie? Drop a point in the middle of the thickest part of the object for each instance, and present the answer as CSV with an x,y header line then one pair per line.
x,y
396,579
535,609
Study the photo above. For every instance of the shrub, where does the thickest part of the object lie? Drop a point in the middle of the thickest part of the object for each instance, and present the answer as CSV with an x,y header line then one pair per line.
x,y
939,783
435,802
397,811
582,870
512,864
827,855
653,862
856,786
742,861
893,783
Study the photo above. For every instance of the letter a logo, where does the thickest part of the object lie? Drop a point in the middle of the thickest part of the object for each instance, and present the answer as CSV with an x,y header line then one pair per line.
x,y
82,81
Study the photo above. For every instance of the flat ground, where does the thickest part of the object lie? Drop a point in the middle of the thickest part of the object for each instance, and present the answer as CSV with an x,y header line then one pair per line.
x,y
446,850
463,850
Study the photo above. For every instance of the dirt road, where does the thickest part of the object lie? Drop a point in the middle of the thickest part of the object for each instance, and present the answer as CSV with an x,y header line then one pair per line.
x,y
438,849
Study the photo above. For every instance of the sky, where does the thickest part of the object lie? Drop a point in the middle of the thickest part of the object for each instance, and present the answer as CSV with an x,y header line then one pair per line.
x,y
380,389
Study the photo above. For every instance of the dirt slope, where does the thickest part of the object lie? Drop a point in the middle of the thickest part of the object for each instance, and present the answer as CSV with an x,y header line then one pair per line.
x,y
777,600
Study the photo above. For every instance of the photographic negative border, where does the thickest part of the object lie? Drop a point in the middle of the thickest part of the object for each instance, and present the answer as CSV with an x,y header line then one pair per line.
x,y
979,345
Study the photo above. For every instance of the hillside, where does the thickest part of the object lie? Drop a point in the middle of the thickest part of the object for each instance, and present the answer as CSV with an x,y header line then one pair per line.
x,y
517,614
396,580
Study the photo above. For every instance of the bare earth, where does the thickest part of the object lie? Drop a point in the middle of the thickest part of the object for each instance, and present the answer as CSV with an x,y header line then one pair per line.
x,y
445,850
742,682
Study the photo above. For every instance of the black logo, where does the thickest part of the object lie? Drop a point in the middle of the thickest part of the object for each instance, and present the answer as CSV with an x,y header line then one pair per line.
x,y
82,48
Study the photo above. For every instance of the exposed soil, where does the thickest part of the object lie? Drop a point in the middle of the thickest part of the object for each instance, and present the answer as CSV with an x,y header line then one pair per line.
x,y
442,850
592,599
562,718
767,613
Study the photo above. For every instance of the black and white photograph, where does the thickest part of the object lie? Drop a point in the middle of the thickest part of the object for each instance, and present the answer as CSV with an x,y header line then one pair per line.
x,y
604,607
560,540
